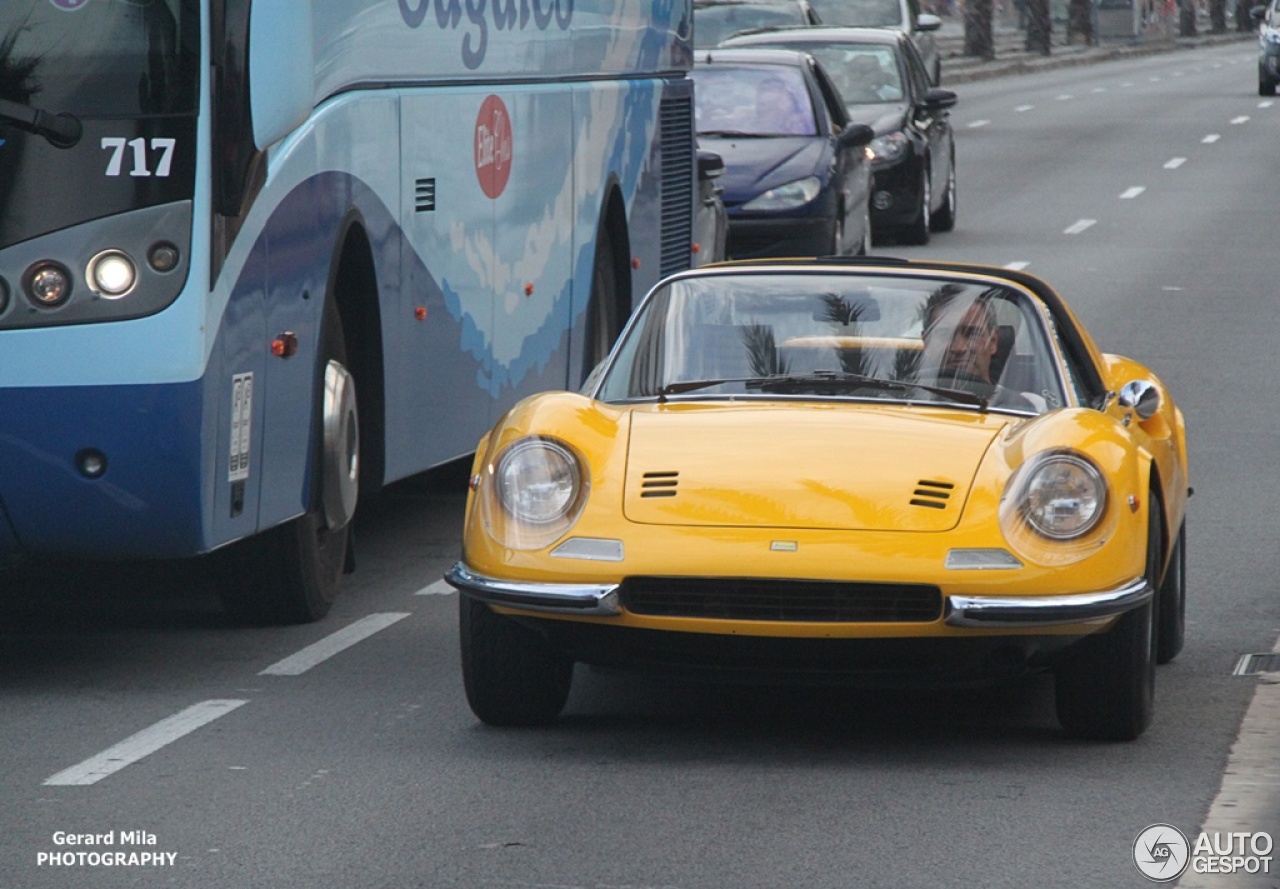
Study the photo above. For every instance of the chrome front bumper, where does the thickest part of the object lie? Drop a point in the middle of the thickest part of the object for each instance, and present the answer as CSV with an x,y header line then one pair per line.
x,y
961,611
1045,611
558,598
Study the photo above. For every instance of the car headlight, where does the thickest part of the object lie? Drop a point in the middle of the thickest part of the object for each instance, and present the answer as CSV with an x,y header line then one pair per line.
x,y
786,197
889,147
539,486
1063,496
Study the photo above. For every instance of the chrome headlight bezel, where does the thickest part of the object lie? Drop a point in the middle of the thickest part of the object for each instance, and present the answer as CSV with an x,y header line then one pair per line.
x,y
539,485
1061,495
789,196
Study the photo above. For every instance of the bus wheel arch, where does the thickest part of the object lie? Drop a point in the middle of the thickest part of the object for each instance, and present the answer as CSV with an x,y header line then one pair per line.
x,y
609,305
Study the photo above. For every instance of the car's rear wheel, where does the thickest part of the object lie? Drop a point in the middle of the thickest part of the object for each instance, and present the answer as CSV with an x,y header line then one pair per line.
x,y
1173,603
512,676
1106,691
917,230
1266,86
945,219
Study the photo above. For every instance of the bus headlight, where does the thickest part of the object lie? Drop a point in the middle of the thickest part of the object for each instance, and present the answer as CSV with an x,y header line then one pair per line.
x,y
47,284
112,274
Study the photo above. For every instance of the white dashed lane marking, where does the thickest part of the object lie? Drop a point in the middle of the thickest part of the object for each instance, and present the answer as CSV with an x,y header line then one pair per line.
x,y
1130,193
1174,162
332,644
439,588
1078,226
145,742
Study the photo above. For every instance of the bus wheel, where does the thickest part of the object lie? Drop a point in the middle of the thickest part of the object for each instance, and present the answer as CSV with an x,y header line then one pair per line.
x,y
291,573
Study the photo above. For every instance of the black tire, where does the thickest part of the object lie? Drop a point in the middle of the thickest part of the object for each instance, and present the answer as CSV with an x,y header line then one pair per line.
x,y
1266,86
291,574
1106,691
944,218
603,321
917,231
512,676
1172,612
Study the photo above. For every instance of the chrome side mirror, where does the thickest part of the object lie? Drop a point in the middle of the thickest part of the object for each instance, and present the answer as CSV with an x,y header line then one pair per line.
x,y
1140,396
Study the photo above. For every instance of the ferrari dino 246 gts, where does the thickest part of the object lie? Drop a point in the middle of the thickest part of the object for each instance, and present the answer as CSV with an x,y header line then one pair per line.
x,y
836,469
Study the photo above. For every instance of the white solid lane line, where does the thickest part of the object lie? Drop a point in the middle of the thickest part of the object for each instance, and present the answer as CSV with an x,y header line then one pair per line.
x,y
332,644
145,742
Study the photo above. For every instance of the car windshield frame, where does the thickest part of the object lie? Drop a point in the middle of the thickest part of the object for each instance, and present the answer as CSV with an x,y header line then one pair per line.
x,y
825,334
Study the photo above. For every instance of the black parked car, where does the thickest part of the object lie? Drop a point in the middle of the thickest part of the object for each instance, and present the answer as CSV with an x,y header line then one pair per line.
x,y
1267,18
883,83
797,178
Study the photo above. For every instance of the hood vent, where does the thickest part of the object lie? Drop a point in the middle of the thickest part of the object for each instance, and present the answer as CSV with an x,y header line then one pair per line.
x,y
933,495
659,484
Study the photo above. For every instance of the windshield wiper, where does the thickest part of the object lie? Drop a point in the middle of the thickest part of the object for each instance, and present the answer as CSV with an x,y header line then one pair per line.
x,y
730,134
823,379
63,129
843,379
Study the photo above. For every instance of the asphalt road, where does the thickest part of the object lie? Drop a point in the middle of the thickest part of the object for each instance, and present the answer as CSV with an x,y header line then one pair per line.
x,y
1140,189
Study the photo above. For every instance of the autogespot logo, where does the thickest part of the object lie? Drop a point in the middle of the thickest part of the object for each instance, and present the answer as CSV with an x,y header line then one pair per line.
x,y
1161,853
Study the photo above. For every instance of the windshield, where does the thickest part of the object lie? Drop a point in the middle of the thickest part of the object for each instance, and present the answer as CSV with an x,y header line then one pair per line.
x,y
714,22
824,335
864,74
752,100
861,13
100,58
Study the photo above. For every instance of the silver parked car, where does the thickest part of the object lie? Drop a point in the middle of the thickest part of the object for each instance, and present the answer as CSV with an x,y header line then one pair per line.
x,y
900,15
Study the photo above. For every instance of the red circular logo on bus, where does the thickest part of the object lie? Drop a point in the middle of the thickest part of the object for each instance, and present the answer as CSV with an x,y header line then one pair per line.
x,y
493,146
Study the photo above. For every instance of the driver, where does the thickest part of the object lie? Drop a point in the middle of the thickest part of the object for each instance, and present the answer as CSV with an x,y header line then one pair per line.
x,y
961,337
960,340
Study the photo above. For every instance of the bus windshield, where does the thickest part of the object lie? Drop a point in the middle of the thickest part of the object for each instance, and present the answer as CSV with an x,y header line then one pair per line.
x,y
100,58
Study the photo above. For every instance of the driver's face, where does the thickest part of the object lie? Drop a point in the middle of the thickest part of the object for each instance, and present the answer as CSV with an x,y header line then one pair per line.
x,y
967,344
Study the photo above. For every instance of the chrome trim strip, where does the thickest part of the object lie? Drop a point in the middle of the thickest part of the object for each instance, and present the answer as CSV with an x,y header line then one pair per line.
x,y
556,598
1045,611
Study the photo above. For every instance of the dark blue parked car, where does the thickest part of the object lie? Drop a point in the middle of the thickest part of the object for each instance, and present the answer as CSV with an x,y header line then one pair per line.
x,y
797,178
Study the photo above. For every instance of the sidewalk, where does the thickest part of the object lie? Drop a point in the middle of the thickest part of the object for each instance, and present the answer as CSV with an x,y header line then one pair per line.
x,y
1011,56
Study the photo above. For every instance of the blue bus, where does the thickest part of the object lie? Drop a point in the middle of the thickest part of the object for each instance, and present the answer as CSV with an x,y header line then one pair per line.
x,y
261,257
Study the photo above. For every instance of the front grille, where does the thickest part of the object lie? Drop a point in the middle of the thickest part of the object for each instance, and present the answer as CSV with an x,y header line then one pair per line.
x,y
766,599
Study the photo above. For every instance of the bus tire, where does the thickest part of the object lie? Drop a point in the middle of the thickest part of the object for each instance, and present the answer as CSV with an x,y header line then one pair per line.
x,y
511,675
291,574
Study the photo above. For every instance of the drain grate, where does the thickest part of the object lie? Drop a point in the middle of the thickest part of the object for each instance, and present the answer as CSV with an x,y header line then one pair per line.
x,y
1252,664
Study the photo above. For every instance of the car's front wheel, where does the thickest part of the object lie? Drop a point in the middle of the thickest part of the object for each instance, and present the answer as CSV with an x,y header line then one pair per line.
x,y
1266,86
1106,691
944,220
512,676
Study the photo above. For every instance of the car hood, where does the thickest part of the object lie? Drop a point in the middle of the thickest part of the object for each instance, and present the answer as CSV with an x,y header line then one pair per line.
x,y
826,467
881,118
753,166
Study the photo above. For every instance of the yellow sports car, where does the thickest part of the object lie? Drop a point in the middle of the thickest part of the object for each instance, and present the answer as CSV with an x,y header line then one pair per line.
x,y
845,470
